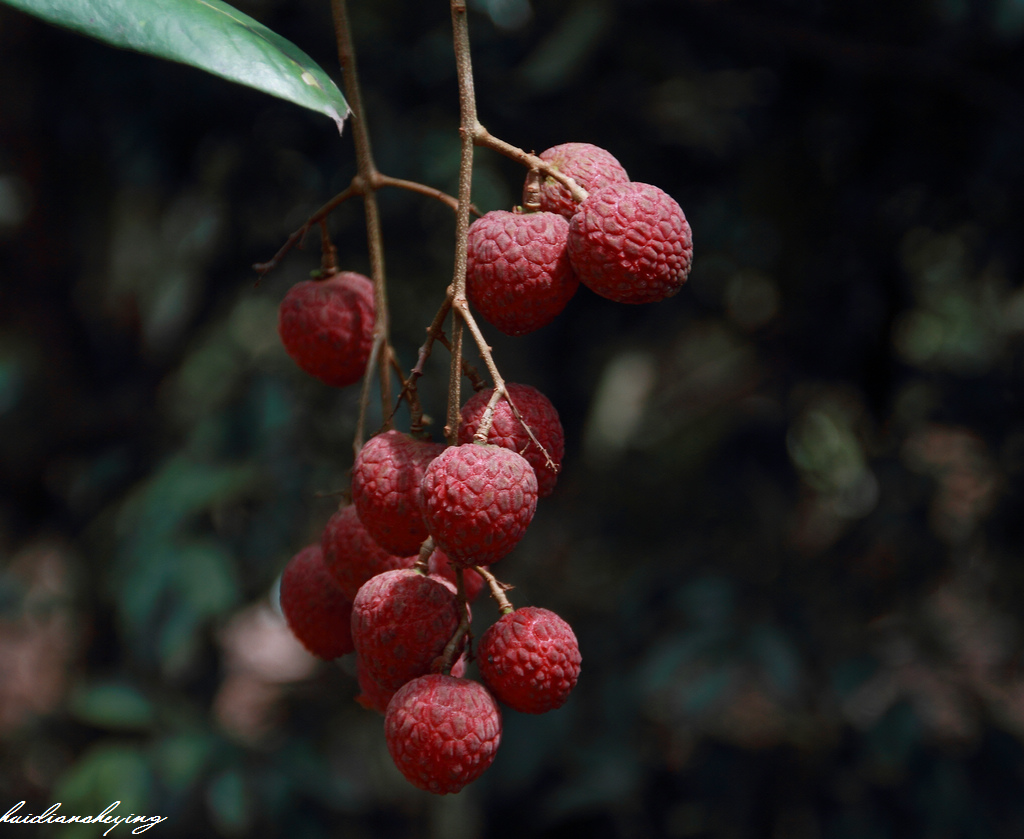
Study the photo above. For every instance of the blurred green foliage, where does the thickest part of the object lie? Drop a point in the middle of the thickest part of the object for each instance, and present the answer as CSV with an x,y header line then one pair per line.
x,y
787,531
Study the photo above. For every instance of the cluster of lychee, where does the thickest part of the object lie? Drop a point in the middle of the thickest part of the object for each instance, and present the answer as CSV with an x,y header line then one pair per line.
x,y
395,570
627,241
365,589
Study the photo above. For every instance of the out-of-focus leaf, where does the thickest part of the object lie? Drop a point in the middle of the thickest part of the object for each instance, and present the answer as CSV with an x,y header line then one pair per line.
x,y
230,803
777,656
709,602
180,759
112,705
207,34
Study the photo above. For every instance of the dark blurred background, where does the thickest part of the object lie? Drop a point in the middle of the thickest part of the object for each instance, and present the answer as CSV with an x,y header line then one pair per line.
x,y
788,530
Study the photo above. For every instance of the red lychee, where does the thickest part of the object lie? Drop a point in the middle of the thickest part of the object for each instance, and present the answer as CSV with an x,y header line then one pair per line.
x,y
316,609
442,732
327,326
477,502
530,659
590,166
508,432
385,489
401,623
518,274
631,243
352,556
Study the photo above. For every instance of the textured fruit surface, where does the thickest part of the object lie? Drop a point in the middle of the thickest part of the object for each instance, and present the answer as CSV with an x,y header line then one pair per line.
x,y
442,732
316,609
590,166
530,659
374,697
440,566
508,432
385,489
478,501
327,326
631,243
401,622
518,274
352,555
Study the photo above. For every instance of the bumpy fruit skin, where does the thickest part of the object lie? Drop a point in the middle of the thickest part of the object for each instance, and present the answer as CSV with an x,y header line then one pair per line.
x,y
508,432
327,326
590,166
518,274
442,732
477,502
316,609
385,489
530,659
631,243
373,697
352,555
401,622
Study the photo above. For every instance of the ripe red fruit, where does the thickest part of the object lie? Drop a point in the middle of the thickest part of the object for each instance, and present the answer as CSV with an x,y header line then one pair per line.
x,y
508,432
374,697
518,274
590,166
385,489
477,502
327,326
317,611
530,659
631,243
401,622
352,555
442,732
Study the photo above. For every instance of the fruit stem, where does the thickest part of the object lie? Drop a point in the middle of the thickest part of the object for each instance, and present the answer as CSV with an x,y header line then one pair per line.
x,y
467,127
454,645
497,588
422,564
368,173
483,137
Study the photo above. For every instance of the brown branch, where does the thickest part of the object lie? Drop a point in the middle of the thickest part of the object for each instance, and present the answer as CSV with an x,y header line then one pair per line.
x,y
483,137
367,172
497,588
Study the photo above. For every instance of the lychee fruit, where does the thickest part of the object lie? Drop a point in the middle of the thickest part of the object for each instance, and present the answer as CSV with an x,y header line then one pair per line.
x,y
402,621
477,502
326,326
508,432
631,243
374,697
518,274
530,659
386,478
314,606
592,167
442,731
352,555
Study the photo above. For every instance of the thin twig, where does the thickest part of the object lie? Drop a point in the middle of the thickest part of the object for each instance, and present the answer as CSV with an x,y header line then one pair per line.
x,y
455,645
467,127
296,238
497,588
483,137
368,172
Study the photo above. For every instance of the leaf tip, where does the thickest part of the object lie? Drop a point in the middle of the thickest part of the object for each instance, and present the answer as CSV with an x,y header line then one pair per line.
x,y
339,119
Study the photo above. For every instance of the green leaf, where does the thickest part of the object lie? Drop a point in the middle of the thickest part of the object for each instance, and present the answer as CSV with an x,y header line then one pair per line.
x,y
207,34
112,705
